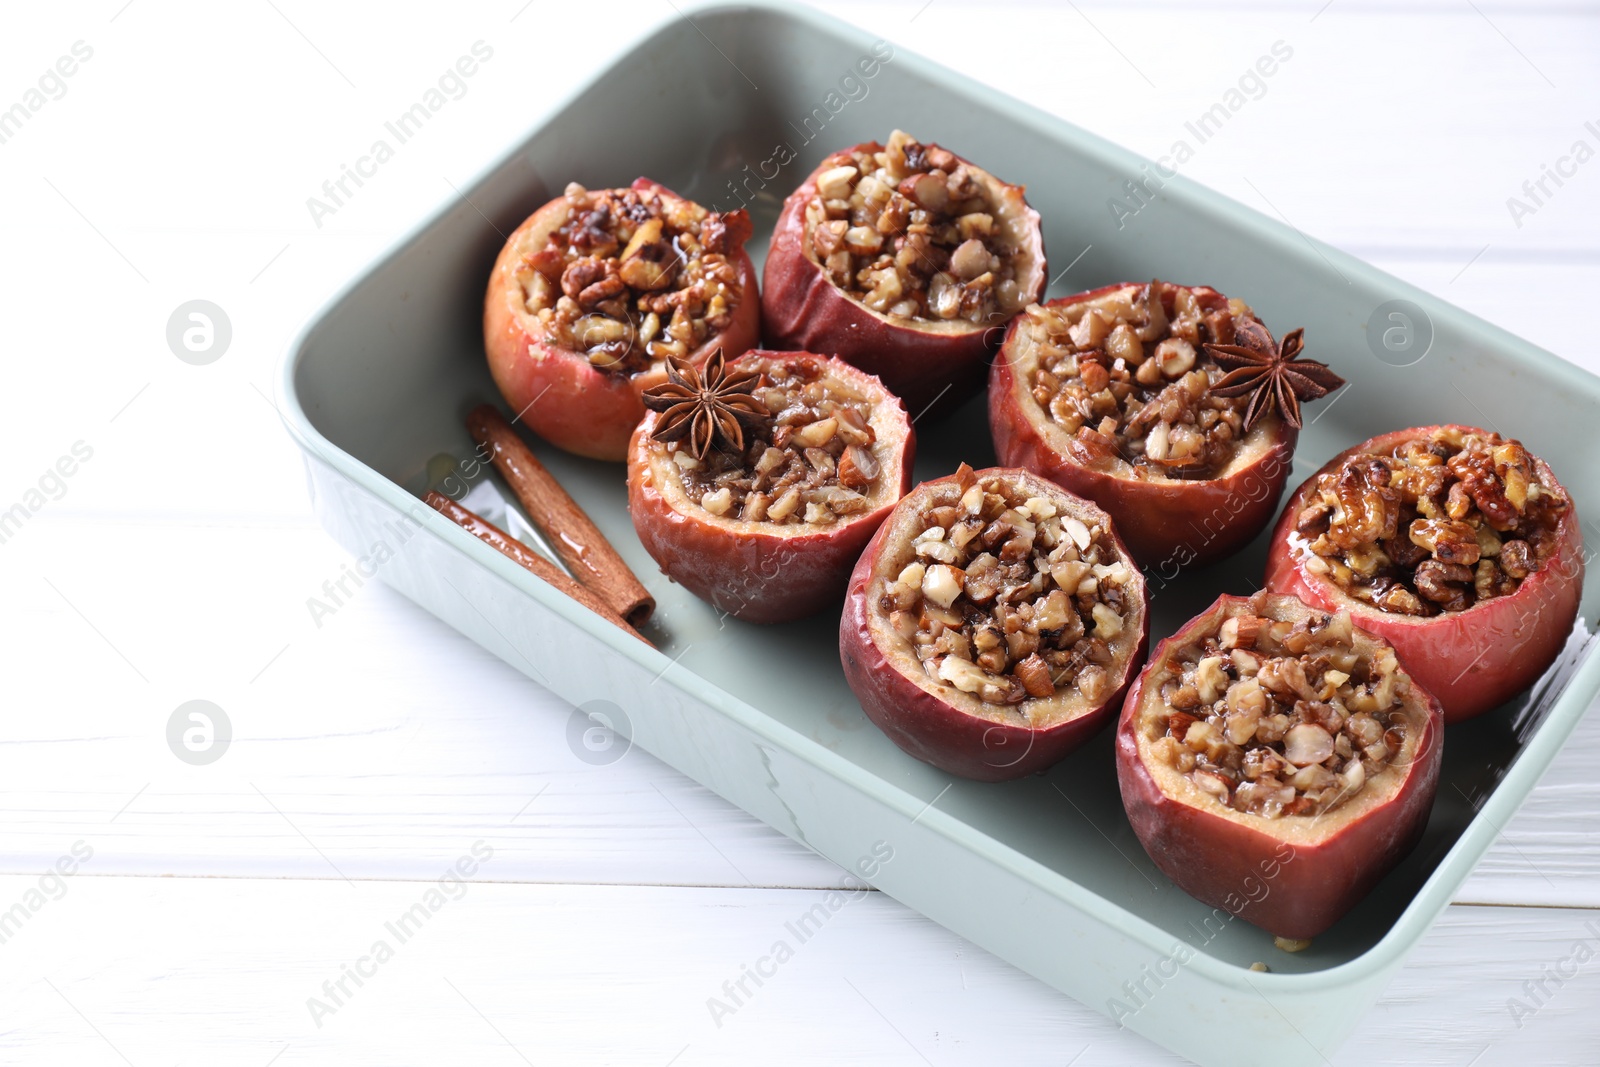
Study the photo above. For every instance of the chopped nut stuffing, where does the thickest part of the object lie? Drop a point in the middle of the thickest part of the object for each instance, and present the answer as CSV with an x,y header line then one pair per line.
x,y
913,232
1008,599
1436,525
817,461
1127,375
1276,718
631,278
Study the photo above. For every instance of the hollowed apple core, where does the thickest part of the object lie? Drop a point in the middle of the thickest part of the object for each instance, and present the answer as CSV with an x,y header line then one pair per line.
x,y
1013,598
1436,524
628,277
912,233
1279,714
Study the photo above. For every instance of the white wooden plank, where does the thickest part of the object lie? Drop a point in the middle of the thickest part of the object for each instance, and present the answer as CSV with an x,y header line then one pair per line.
x,y
221,971
1387,125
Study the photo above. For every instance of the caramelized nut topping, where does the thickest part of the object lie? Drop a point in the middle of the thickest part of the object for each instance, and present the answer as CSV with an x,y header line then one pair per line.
x,y
1008,599
812,459
1434,526
630,279
1282,718
1135,384
909,231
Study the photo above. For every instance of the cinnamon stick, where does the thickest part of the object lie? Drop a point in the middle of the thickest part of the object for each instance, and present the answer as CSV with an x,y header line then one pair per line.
x,y
581,546
519,553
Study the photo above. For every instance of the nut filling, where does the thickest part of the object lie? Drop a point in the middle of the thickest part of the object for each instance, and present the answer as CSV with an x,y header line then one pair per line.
x,y
1133,383
630,279
910,231
814,462
1436,525
1276,719
1009,599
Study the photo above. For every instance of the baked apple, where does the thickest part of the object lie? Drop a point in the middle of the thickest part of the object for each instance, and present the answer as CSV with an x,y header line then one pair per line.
x,y
755,483
1276,760
993,623
1454,543
903,259
1171,406
596,290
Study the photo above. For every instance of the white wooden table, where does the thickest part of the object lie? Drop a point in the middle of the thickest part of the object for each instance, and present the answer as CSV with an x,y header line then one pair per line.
x,y
374,748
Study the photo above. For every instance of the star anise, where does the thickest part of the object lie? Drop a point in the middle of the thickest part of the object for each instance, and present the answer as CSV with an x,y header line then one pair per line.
x,y
712,408
1272,375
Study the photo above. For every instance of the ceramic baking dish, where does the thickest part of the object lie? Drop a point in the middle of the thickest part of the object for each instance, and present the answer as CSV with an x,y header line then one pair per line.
x,y
1045,872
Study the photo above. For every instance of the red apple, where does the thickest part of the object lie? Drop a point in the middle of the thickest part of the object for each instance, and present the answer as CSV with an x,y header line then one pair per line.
x,y
1167,521
1473,660
556,387
1015,713
758,569
922,356
1294,874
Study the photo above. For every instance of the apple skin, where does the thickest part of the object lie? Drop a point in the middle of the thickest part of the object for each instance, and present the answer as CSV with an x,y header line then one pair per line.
x,y
925,723
1224,862
560,395
933,370
748,569
1473,660
1165,523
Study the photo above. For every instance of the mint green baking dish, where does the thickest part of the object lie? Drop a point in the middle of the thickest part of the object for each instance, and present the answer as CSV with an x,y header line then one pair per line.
x,y
1045,872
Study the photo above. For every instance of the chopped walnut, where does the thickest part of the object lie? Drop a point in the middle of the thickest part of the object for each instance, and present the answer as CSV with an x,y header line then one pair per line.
x,y
1130,380
1008,599
817,462
910,232
1436,525
630,278
1281,719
